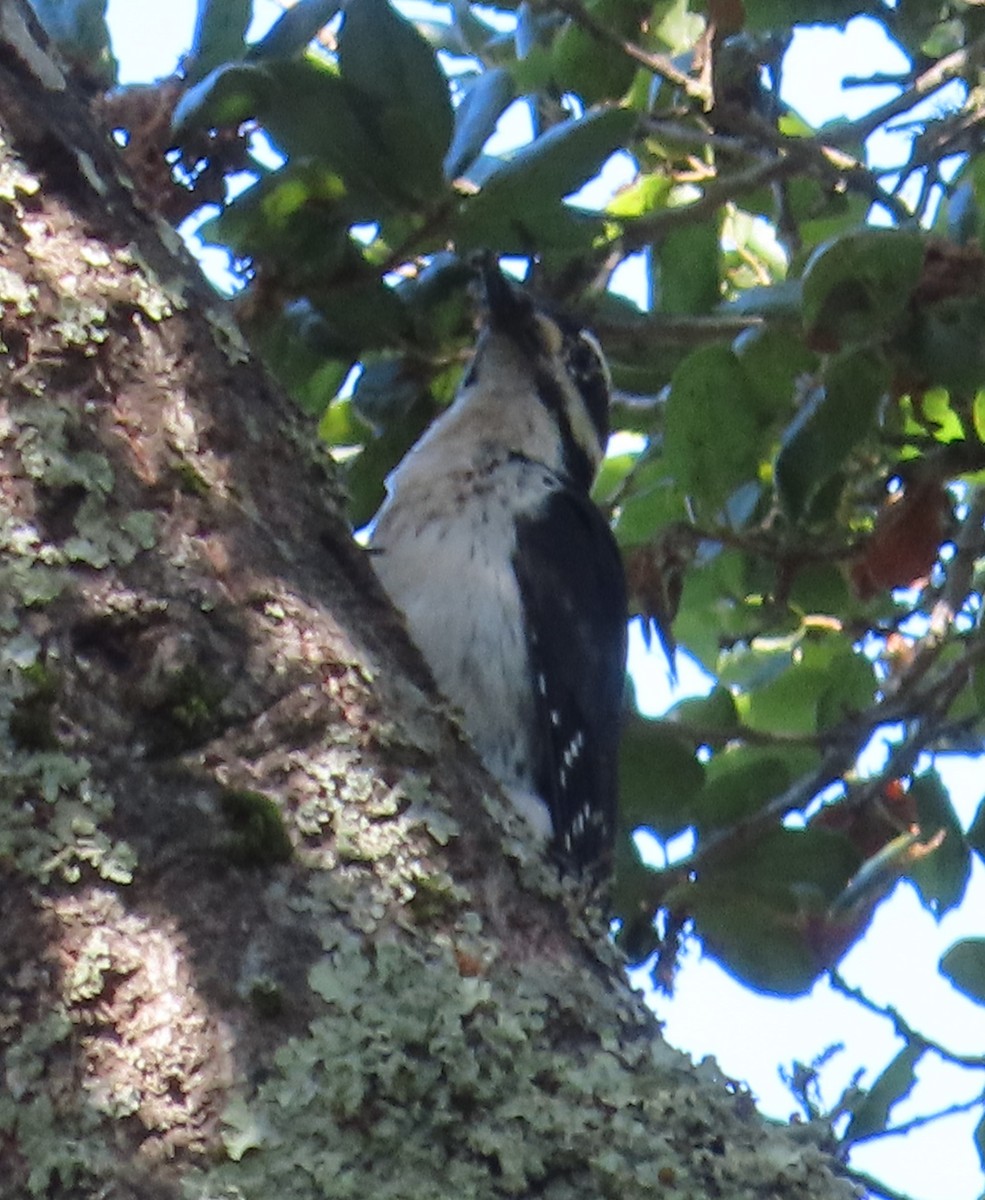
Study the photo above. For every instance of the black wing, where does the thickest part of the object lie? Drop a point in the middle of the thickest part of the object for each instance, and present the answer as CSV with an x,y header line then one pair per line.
x,y
574,595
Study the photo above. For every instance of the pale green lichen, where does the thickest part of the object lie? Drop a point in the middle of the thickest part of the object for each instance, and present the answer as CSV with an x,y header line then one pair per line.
x,y
54,1136
456,1090
80,322
86,977
31,574
50,823
16,292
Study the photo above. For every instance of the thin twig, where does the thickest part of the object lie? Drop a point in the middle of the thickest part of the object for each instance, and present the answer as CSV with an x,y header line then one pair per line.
x,y
900,1025
952,1110
933,79
880,79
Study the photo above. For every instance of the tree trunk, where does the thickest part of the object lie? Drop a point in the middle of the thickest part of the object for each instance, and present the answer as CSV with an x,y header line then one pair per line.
x,y
262,937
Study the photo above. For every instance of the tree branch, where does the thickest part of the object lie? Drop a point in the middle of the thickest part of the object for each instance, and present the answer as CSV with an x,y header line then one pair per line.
x,y
933,79
900,1025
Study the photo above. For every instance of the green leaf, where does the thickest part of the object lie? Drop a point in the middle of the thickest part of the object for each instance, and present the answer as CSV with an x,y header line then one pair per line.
x,y
976,833
963,964
742,780
645,194
559,162
757,943
714,713
830,425
220,34
760,917
647,508
296,346
942,876
712,426
225,98
820,588
944,346
340,425
822,212
583,64
800,685
534,228
871,1115
296,220
484,102
689,261
400,91
658,775
849,688
362,314
364,475
774,359
979,1139
859,284
716,607
294,29
311,113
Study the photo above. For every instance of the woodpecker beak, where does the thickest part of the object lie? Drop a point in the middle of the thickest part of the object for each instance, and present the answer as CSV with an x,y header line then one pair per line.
x,y
507,309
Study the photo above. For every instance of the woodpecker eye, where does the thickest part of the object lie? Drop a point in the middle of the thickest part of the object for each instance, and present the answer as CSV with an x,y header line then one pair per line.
x,y
583,359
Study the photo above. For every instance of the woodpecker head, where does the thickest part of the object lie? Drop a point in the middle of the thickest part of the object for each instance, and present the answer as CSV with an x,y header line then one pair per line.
x,y
567,370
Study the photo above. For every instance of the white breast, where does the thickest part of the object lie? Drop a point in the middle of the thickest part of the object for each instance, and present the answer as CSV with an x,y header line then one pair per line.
x,y
443,547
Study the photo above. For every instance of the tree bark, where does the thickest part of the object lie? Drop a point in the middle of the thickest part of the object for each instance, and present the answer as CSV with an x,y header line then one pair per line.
x,y
264,935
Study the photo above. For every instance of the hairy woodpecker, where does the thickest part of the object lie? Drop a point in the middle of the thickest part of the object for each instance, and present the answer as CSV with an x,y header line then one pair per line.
x,y
508,575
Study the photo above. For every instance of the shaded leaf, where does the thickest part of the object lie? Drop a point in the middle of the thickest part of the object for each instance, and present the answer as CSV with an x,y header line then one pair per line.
x,y
895,1083
712,425
742,780
830,425
488,95
763,918
774,359
858,284
647,508
226,97
976,833
590,68
384,391
526,229
294,29
964,965
941,877
559,162
658,775
297,218
399,91
689,261
519,209
220,34
311,113
944,345
714,713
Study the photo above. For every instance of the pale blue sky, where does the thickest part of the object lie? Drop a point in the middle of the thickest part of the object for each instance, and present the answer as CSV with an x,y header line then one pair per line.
x,y
897,964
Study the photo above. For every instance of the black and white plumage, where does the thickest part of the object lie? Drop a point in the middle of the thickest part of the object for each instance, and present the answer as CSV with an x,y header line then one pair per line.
x,y
508,575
